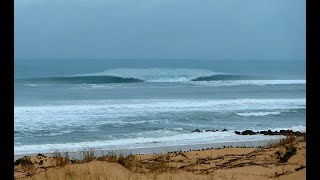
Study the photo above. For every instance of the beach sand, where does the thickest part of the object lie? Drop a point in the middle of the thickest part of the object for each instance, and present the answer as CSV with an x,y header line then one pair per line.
x,y
224,163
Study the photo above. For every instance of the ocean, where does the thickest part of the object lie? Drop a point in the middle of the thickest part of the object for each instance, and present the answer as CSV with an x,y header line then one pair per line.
x,y
73,104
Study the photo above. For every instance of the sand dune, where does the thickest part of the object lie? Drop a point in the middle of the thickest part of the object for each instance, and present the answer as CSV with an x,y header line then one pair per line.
x,y
226,163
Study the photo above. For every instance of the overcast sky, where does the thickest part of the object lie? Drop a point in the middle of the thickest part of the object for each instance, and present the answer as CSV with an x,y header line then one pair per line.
x,y
192,29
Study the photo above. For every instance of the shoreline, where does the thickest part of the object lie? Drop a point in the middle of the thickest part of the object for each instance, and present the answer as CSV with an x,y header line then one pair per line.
x,y
163,149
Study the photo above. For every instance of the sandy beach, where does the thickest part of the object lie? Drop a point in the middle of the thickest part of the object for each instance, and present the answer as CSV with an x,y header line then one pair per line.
x,y
165,149
285,159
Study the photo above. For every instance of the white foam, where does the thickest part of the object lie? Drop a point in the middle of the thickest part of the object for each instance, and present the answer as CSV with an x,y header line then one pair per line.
x,y
258,113
93,114
139,142
37,85
298,128
247,82
293,128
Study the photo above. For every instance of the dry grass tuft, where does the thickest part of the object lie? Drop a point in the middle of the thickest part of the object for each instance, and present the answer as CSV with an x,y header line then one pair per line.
x,y
290,150
127,161
159,163
25,161
88,155
26,165
60,160
111,156
285,141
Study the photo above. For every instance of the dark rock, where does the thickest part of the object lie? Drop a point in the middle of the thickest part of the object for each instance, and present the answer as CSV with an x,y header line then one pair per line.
x,y
276,133
271,133
289,132
286,132
248,132
41,155
224,130
208,130
282,131
197,130
263,132
298,133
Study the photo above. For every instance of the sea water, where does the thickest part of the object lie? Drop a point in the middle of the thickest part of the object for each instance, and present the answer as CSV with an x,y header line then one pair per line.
x,y
72,104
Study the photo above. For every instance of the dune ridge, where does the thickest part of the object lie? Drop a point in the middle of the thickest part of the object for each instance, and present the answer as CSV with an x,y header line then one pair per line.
x,y
282,160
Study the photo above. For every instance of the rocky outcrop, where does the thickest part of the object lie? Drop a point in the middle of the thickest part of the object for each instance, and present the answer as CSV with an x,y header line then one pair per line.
x,y
271,133
209,130
248,132
251,132
197,130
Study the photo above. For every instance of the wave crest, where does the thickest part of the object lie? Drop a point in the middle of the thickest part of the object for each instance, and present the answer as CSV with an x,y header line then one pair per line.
x,y
173,75
156,74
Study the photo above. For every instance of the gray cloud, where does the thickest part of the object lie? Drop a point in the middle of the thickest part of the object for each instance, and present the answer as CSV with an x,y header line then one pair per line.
x,y
224,29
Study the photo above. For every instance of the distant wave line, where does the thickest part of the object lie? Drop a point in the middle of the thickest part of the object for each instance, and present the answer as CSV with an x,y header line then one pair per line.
x,y
81,80
105,79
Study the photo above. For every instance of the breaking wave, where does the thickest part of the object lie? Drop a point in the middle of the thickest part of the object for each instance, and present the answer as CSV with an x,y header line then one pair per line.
x,y
131,75
156,74
219,77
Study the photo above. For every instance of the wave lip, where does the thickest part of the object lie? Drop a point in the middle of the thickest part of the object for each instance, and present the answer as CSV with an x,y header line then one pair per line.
x,y
81,80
